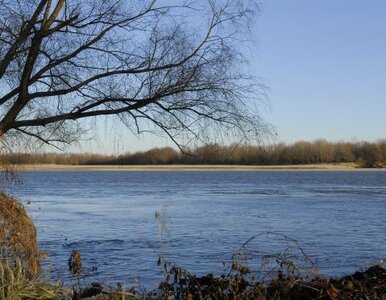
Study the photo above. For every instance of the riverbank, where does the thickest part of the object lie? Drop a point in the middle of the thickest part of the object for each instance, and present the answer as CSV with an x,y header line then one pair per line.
x,y
313,167
368,284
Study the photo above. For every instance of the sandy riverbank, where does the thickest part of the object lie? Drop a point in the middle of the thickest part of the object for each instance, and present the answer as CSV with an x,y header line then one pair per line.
x,y
319,167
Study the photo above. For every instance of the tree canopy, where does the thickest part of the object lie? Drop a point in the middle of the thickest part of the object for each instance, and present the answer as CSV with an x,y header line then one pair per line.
x,y
171,67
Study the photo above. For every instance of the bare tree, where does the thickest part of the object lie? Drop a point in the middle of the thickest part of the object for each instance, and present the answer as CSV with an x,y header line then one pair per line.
x,y
161,66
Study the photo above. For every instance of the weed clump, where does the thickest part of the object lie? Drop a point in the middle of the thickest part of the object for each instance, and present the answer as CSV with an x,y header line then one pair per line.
x,y
15,284
18,236
369,284
289,274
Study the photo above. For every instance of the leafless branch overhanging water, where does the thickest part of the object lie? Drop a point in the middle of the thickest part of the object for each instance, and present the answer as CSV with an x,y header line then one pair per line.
x,y
178,67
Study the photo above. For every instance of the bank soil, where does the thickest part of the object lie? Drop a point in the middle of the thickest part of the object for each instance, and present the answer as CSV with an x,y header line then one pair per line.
x,y
369,284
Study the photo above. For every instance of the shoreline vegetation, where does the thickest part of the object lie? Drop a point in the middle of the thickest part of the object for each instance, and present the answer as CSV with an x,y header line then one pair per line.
x,y
286,284
319,154
286,281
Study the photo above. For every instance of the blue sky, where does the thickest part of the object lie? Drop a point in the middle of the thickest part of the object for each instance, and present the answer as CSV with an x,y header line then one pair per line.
x,y
325,64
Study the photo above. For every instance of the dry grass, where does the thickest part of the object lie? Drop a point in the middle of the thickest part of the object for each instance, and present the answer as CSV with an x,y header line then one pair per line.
x,y
18,236
16,285
180,284
290,274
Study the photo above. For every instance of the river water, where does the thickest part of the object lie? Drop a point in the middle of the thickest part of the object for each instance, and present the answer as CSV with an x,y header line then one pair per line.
x,y
338,218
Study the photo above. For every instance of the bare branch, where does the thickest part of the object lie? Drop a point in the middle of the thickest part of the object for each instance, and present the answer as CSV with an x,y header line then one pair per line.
x,y
178,67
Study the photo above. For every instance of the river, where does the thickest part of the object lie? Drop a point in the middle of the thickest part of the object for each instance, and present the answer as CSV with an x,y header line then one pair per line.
x,y
337,217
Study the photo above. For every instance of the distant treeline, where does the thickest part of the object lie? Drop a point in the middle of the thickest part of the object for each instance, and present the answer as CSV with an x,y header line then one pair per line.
x,y
365,154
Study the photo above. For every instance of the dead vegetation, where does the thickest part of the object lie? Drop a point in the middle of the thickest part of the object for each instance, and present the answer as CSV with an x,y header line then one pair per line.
x,y
289,274
370,284
15,284
285,281
18,236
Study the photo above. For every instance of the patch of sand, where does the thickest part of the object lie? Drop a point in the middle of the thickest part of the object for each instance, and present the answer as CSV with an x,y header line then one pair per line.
x,y
318,167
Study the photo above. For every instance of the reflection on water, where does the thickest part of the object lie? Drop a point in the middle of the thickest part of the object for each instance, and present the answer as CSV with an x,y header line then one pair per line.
x,y
337,217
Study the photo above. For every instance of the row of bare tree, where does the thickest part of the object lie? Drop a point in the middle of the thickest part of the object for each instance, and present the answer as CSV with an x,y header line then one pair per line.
x,y
364,153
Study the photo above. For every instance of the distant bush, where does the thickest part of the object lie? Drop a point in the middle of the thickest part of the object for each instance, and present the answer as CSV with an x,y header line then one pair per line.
x,y
156,156
364,154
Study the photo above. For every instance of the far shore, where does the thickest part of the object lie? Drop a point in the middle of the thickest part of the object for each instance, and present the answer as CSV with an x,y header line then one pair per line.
x,y
314,167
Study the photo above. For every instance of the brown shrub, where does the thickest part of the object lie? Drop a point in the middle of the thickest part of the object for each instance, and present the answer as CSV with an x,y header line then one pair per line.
x,y
18,236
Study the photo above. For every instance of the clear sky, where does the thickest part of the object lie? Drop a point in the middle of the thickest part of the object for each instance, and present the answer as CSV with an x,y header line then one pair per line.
x,y
325,64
